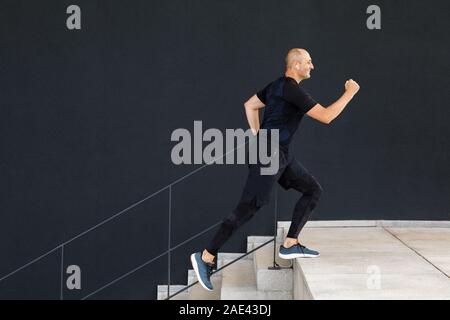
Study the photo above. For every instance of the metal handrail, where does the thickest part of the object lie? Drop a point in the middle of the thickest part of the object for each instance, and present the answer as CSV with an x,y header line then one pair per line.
x,y
168,252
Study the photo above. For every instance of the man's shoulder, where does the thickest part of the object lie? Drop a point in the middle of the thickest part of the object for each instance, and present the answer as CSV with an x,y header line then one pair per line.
x,y
275,81
292,87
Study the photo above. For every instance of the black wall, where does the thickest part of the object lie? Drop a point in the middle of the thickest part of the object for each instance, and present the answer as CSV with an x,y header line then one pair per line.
x,y
86,118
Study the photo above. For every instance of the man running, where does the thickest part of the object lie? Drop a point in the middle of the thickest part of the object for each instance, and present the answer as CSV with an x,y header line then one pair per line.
x,y
286,102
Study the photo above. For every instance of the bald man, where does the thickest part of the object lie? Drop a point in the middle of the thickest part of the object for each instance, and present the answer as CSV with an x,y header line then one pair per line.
x,y
285,102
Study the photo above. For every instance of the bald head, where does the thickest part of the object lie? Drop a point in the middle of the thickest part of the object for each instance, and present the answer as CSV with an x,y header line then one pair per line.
x,y
296,54
298,64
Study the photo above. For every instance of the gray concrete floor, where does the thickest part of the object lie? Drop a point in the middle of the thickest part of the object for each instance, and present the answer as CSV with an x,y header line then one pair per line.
x,y
377,262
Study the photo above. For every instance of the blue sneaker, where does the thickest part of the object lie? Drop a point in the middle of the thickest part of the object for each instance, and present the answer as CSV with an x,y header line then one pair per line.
x,y
203,270
297,251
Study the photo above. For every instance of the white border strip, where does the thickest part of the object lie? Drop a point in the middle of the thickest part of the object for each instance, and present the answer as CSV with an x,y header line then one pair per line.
x,y
372,223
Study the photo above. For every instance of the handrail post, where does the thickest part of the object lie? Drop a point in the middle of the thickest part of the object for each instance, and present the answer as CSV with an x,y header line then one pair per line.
x,y
169,240
275,265
61,293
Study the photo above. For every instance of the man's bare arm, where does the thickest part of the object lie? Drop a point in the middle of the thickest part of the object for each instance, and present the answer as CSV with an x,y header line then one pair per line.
x,y
326,115
252,107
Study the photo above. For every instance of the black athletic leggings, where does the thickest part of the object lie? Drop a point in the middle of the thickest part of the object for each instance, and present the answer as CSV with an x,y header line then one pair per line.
x,y
257,191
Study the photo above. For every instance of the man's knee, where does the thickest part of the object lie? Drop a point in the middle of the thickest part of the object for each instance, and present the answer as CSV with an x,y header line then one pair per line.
x,y
231,221
314,191
317,191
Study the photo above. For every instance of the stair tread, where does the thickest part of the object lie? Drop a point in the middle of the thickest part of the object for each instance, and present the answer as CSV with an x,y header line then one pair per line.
x,y
239,281
264,258
239,274
197,292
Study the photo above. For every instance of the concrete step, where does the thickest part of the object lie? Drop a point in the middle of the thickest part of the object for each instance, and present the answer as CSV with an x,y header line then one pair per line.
x,y
359,260
369,223
239,283
191,277
373,263
197,292
272,280
330,224
228,256
162,292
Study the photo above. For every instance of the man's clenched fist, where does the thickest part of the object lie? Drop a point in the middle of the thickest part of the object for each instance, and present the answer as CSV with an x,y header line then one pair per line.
x,y
351,86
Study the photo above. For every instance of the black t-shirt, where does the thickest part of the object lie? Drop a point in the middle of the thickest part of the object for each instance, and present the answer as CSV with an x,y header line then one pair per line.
x,y
286,103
